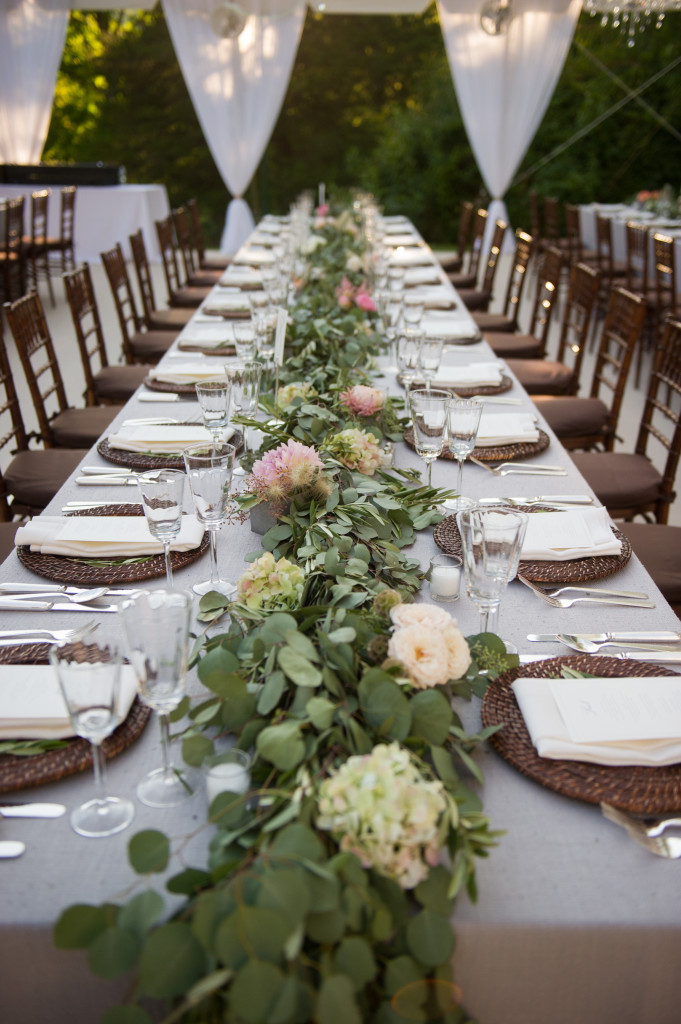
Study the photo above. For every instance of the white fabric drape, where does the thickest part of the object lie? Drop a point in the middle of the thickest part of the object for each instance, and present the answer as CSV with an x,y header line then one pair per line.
x,y
504,83
237,87
31,45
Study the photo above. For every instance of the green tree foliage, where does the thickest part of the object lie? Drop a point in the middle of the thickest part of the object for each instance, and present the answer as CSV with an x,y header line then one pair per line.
x,y
370,104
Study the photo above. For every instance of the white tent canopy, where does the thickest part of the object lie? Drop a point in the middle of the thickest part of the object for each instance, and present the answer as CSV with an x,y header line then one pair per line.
x,y
237,84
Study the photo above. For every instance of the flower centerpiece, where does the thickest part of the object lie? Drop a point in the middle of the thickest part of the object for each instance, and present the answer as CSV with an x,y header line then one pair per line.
x,y
269,584
428,645
290,472
381,807
362,400
355,449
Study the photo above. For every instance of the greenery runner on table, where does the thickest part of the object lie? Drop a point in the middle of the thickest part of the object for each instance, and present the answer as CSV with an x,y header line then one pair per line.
x,y
329,886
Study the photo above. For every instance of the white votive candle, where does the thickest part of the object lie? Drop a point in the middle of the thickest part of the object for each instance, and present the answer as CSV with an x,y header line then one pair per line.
x,y
445,577
228,774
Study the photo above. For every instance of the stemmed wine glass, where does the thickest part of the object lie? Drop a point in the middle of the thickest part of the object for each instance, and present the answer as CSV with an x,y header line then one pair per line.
x,y
413,306
89,675
209,472
161,492
408,344
244,340
390,307
214,397
156,625
430,357
491,540
463,421
429,418
244,379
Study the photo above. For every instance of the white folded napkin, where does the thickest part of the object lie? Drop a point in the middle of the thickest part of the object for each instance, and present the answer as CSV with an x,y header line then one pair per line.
x,y
435,296
216,334
455,323
472,376
159,438
234,304
184,373
237,277
625,721
412,257
32,706
502,428
102,536
408,238
254,257
577,533
422,275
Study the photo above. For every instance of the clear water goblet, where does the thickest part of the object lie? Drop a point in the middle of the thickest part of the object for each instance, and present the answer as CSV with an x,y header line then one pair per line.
x,y
491,541
463,422
396,279
209,472
156,626
429,419
214,400
412,309
430,357
89,675
408,344
244,379
244,340
161,492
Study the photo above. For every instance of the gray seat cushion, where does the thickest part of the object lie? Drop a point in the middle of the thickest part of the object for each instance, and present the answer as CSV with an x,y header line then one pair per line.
x,y
81,428
170,319
494,322
572,417
513,346
150,346
34,477
542,376
659,548
619,479
118,383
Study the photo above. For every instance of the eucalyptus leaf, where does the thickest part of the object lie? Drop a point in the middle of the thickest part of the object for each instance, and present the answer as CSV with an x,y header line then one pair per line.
x,y
149,851
143,911
79,925
430,938
298,668
255,990
113,952
282,745
336,1002
355,958
171,961
126,1015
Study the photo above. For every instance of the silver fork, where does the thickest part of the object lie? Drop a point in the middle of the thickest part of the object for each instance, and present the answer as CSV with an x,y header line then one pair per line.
x,y
56,634
557,591
567,602
519,468
650,838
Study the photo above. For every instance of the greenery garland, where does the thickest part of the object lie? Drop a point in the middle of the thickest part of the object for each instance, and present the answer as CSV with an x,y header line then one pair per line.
x,y
329,887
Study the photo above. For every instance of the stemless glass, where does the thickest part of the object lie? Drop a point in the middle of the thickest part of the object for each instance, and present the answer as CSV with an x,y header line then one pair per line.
x,y
412,309
429,417
491,539
430,357
244,379
161,492
214,398
156,625
463,421
89,675
209,472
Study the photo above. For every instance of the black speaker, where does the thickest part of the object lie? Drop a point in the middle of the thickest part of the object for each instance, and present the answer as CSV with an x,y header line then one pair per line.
x,y
62,174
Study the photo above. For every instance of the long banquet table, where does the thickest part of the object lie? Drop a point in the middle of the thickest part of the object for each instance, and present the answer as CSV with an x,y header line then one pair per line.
x,y
574,921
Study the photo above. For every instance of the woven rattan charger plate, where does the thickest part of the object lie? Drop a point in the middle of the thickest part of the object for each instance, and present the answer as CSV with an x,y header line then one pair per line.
x,y
462,392
39,769
66,569
142,460
638,790
504,453
577,570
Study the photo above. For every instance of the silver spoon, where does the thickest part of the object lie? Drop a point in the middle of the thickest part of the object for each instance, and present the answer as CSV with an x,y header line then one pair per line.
x,y
84,597
593,646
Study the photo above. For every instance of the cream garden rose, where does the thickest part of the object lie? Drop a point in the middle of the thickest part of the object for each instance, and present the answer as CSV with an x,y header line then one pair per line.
x,y
428,645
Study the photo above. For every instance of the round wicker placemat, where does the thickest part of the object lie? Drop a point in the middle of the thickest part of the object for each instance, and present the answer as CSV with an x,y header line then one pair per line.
x,y
484,389
206,350
66,569
164,385
577,570
504,453
38,769
141,460
649,791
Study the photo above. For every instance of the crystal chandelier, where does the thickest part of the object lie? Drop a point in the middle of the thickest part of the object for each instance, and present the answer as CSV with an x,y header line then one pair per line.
x,y
631,16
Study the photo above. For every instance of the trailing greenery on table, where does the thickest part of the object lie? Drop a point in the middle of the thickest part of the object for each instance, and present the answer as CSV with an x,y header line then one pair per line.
x,y
329,887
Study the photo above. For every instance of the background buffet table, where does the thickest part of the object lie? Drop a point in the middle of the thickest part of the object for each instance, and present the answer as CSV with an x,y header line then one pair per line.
x,y
574,921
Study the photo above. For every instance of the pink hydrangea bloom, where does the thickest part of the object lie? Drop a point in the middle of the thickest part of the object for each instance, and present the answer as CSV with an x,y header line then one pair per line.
x,y
363,400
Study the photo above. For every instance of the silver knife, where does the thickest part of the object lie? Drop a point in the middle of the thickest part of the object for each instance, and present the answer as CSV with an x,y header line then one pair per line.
x,y
52,588
11,848
32,810
541,499
660,636
111,481
20,605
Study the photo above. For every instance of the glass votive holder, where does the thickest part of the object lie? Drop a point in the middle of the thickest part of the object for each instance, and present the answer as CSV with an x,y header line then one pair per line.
x,y
228,772
444,576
